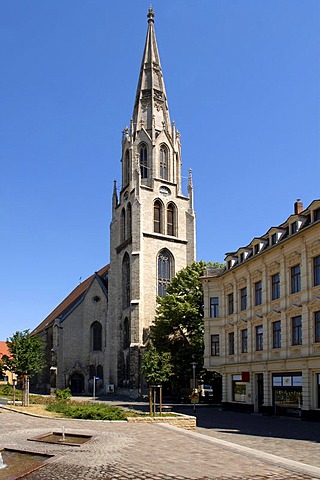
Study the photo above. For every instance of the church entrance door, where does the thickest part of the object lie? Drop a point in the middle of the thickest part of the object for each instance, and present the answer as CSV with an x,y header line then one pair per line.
x,y
77,383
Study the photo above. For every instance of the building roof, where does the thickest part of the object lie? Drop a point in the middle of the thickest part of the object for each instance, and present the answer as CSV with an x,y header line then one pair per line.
x,y
72,299
4,349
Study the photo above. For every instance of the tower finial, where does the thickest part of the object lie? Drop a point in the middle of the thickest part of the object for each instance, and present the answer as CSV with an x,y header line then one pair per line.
x,y
150,15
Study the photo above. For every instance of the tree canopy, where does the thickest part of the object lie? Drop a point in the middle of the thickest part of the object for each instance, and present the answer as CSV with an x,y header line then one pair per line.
x,y
178,327
26,354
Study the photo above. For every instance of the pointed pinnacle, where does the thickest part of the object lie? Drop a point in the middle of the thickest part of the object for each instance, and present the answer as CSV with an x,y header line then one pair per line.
x,y
150,15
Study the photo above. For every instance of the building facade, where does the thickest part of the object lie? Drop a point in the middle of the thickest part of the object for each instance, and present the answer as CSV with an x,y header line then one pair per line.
x,y
152,237
262,319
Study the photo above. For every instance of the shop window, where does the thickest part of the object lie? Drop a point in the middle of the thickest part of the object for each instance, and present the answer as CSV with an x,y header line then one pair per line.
x,y
215,346
239,389
214,307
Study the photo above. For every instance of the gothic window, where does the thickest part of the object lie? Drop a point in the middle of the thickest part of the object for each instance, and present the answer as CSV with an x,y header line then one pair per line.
x,y
126,333
96,336
163,162
143,161
129,221
100,372
171,219
165,269
126,168
157,211
126,294
123,226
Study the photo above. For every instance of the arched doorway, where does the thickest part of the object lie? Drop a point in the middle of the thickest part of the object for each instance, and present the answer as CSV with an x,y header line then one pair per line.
x,y
77,383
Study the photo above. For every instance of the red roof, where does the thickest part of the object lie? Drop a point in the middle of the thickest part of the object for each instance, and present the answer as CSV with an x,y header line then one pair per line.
x,y
69,300
4,349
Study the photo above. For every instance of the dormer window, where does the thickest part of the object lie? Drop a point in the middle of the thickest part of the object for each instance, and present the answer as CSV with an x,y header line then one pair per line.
x,y
294,227
316,215
274,238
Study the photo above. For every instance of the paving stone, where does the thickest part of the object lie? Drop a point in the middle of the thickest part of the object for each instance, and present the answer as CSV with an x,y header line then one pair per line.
x,y
137,452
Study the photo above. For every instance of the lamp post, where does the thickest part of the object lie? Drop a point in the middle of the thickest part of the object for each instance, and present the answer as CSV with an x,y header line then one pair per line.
x,y
94,386
194,384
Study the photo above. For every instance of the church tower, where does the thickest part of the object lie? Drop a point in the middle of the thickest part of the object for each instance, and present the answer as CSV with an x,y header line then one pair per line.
x,y
152,232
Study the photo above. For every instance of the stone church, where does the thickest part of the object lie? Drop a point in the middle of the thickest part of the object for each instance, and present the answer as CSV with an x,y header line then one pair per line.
x,y
97,334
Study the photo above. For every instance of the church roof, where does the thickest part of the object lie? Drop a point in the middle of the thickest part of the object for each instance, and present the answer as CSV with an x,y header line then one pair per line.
x,y
151,109
70,300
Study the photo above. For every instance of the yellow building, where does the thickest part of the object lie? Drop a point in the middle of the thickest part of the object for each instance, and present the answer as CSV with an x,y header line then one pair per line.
x,y
262,319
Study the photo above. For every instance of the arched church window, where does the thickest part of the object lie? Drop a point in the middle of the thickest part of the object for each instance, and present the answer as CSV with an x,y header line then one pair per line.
x,y
126,333
157,214
126,168
96,336
126,294
171,219
165,269
143,161
163,162
92,371
100,372
123,225
129,220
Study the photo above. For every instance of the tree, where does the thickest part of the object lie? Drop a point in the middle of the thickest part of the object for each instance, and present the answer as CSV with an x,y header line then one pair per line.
x,y
26,358
178,327
157,368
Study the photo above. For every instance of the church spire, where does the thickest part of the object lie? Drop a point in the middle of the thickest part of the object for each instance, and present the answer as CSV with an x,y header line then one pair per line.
x,y
151,109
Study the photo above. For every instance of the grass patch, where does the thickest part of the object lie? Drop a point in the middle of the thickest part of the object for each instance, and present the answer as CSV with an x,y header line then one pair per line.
x,y
88,411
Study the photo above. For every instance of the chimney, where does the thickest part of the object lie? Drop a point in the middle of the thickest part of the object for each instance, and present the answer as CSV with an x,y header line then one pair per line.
x,y
298,207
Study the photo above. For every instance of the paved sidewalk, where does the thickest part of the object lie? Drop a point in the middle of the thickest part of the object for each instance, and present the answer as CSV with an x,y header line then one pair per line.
x,y
144,452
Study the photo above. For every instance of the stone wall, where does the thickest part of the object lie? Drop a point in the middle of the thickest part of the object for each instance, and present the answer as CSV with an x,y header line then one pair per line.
x,y
187,422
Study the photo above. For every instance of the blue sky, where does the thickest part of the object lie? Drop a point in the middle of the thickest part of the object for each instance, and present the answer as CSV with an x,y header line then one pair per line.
x,y
242,79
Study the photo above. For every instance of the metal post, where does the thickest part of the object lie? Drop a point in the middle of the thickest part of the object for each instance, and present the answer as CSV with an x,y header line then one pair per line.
x,y
194,382
94,386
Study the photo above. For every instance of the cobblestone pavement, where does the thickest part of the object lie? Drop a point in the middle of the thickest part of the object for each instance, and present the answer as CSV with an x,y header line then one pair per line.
x,y
143,452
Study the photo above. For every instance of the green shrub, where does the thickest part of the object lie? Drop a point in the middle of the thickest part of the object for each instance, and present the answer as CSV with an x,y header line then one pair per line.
x,y
7,391
64,394
88,411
